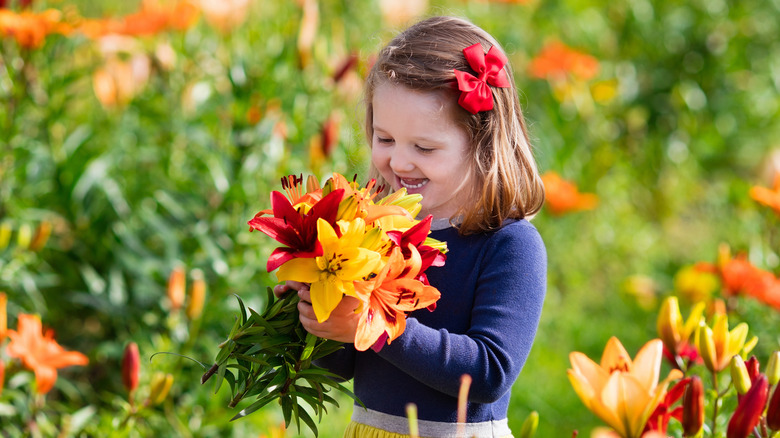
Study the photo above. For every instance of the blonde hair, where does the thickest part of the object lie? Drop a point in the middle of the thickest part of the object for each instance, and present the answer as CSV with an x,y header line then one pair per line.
x,y
506,182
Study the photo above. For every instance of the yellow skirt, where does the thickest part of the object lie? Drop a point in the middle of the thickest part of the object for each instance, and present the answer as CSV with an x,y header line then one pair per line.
x,y
358,430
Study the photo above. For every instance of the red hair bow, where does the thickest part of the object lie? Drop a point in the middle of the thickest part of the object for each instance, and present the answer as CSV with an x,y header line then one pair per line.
x,y
475,93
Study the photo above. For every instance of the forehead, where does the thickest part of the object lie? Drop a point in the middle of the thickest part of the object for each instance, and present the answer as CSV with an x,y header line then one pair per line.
x,y
411,108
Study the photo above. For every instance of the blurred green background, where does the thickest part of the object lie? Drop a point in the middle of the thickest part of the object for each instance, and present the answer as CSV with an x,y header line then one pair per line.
x,y
146,153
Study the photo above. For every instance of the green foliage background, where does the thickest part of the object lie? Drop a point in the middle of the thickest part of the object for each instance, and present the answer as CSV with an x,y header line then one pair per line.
x,y
172,177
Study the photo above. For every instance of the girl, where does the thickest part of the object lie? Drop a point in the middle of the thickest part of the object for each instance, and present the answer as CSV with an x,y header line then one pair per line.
x,y
444,121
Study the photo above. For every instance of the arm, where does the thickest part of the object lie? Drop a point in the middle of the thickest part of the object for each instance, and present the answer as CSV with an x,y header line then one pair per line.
x,y
504,319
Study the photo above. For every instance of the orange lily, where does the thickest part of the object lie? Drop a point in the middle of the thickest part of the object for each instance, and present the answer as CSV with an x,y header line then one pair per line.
x,y
768,197
40,352
562,196
622,392
389,296
556,59
151,19
363,200
30,29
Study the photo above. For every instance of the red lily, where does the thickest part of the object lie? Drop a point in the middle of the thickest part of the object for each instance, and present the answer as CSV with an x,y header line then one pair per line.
x,y
388,297
659,419
415,237
295,229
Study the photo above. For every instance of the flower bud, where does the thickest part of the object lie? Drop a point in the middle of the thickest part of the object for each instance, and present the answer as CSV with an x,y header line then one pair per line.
x,y
348,209
773,368
2,375
41,236
693,407
5,234
131,367
669,321
772,411
176,284
197,295
706,347
739,375
24,236
3,318
160,386
528,429
752,367
312,185
748,412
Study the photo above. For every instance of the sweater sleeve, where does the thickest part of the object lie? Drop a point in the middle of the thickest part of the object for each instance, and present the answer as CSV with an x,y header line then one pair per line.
x,y
341,362
504,318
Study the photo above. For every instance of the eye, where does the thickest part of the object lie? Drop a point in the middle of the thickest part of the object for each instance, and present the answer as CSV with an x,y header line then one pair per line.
x,y
383,140
423,150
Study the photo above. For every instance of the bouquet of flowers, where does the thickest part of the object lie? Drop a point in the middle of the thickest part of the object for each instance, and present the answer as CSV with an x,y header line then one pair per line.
x,y
342,242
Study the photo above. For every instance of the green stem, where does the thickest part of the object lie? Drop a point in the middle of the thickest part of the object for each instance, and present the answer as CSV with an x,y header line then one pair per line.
x,y
716,404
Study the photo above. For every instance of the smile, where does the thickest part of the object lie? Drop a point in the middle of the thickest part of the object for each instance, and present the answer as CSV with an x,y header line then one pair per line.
x,y
413,183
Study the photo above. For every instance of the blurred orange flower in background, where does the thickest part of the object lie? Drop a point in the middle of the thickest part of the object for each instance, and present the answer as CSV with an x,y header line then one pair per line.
x,y
30,29
557,60
768,197
39,351
400,12
151,19
224,15
563,197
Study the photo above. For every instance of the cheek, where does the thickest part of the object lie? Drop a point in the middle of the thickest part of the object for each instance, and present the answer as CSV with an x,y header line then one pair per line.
x,y
379,157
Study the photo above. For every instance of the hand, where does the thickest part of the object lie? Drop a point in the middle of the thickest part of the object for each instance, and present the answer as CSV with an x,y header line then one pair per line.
x,y
288,286
341,325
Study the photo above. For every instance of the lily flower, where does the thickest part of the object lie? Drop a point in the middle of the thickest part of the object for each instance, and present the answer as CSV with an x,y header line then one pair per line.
x,y
768,197
563,196
622,392
342,261
416,237
39,351
293,229
659,419
672,329
364,200
387,298
717,344
557,60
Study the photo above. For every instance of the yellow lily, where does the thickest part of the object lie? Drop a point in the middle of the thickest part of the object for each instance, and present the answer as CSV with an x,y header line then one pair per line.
x,y
332,274
717,344
673,331
622,392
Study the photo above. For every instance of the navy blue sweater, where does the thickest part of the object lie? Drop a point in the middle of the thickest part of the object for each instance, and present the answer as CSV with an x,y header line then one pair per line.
x,y
492,288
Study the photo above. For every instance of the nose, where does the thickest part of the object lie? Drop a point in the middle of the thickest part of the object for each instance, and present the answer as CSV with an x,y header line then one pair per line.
x,y
399,161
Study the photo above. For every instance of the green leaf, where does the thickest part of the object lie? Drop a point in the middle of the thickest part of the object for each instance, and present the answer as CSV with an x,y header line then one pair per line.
x,y
308,420
311,340
243,310
253,407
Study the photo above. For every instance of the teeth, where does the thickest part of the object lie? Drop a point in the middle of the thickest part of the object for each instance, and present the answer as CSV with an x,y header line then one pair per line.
x,y
413,186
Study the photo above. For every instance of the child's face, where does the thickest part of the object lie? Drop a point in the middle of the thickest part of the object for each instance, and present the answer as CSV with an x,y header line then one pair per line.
x,y
417,145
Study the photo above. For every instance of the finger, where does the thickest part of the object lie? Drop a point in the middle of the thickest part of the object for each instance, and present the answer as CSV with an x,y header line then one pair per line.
x,y
296,285
305,295
281,289
306,311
